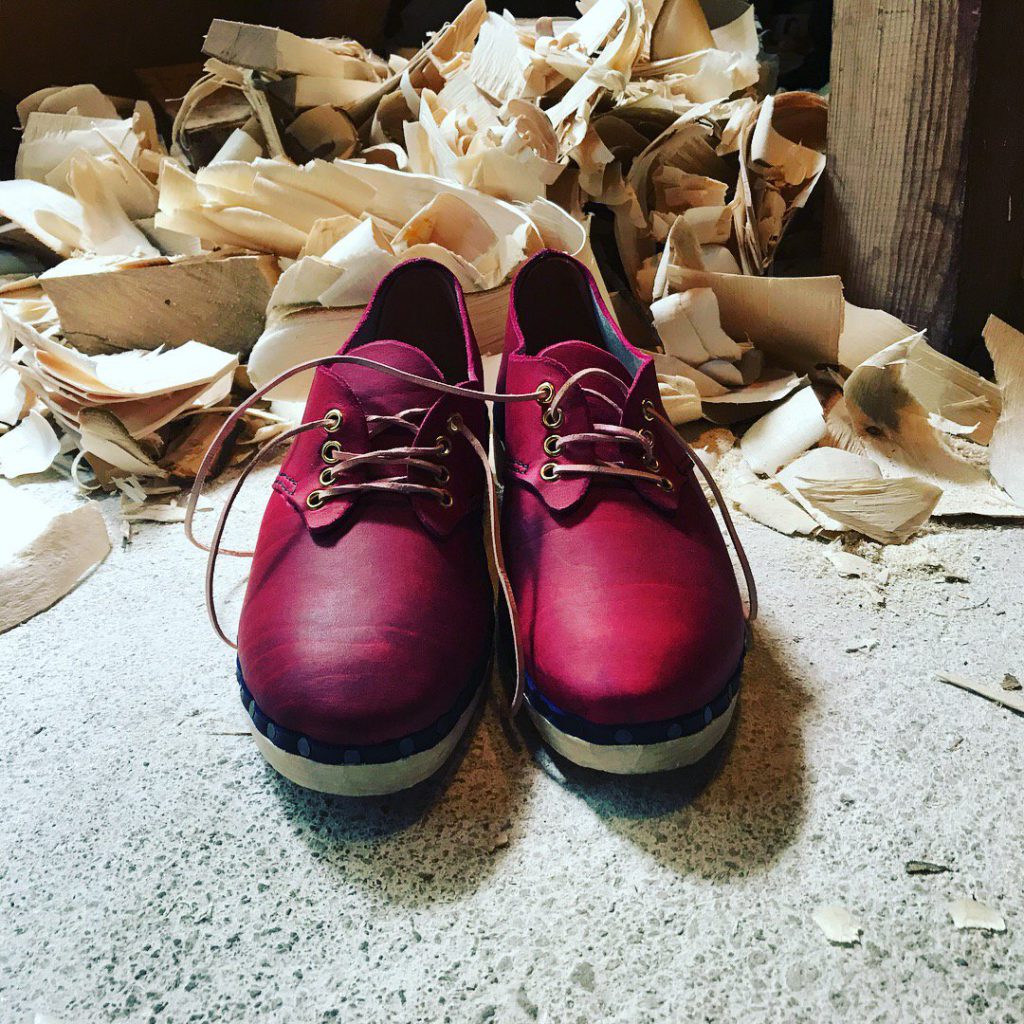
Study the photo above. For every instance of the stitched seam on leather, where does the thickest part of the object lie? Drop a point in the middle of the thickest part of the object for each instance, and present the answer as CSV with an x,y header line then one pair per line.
x,y
281,487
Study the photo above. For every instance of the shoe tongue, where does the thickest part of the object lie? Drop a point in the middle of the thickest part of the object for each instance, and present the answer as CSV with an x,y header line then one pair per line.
x,y
383,395
582,355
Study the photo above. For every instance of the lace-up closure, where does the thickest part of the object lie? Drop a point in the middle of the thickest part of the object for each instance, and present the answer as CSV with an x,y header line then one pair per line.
x,y
338,462
641,441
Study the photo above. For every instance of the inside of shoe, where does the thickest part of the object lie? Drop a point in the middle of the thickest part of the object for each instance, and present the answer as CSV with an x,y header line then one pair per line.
x,y
555,303
420,308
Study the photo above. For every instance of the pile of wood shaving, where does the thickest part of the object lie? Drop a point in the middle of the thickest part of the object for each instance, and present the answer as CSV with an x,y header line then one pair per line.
x,y
147,283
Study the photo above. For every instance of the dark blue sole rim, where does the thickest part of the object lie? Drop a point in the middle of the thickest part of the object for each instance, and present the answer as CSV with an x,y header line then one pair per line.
x,y
377,753
635,733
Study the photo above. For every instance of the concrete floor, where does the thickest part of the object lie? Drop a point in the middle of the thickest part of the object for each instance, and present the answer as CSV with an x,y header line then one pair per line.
x,y
153,868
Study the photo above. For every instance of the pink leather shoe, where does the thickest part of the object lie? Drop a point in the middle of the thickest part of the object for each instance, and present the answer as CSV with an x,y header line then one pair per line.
x,y
631,625
366,630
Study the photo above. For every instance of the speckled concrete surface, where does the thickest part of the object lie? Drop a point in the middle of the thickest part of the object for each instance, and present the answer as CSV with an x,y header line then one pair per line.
x,y
153,868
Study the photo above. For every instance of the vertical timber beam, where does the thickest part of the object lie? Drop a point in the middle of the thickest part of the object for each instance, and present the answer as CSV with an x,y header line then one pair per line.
x,y
925,191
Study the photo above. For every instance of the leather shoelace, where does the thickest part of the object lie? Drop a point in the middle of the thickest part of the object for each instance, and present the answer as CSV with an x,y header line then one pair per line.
x,y
425,458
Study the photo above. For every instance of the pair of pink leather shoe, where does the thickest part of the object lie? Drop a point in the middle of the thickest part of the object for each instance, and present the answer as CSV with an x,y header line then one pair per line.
x,y
366,634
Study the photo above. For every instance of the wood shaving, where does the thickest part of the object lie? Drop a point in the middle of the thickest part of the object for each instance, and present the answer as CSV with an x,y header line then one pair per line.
x,y
840,927
44,553
967,913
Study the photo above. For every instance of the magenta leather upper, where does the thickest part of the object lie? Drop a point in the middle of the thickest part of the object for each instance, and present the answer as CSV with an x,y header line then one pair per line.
x,y
629,609
365,618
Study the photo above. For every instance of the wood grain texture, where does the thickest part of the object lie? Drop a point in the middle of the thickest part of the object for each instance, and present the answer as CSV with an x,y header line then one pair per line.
x,y
902,79
220,302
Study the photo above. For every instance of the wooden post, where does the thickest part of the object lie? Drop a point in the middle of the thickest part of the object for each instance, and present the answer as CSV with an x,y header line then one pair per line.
x,y
925,190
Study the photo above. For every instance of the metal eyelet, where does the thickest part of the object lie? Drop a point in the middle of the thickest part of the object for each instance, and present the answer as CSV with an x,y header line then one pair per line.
x,y
445,498
647,435
455,423
332,420
444,446
327,478
652,463
553,421
545,392
553,444
666,485
444,476
330,452
549,471
648,410
315,499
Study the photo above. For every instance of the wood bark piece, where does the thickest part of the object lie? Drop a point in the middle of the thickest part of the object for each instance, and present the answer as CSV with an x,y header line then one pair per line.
x,y
220,301
43,553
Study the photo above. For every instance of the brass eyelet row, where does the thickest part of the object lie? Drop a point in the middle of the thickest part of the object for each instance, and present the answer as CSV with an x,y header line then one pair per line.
x,y
330,452
453,426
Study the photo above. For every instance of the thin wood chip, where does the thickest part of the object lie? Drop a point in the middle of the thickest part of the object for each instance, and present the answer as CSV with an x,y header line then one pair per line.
x,y
841,928
43,553
1012,699
972,914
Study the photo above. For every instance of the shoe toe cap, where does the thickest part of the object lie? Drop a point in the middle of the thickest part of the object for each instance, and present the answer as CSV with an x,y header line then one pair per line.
x,y
661,663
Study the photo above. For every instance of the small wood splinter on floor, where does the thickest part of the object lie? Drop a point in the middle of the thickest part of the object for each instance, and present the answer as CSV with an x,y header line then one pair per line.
x,y
841,928
1009,696
972,914
925,867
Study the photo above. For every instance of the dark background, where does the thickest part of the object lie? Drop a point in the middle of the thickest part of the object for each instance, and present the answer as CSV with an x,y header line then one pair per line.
x,y
64,42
